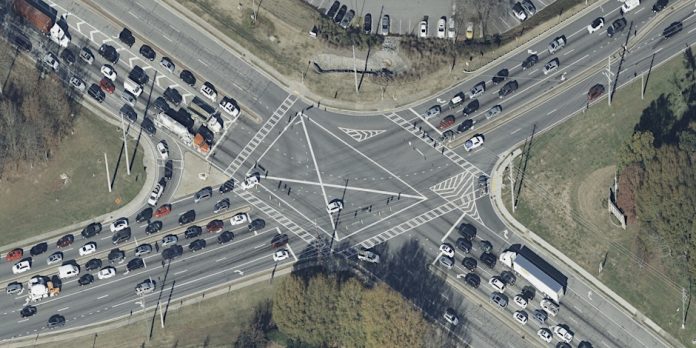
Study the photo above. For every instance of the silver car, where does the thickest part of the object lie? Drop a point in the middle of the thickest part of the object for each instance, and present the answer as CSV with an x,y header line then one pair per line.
x,y
477,90
168,240
551,66
128,98
447,262
499,299
143,249
77,83
55,258
494,111
15,288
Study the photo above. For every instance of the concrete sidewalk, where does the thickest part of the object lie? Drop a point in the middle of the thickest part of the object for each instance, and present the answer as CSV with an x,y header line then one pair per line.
x,y
130,208
533,239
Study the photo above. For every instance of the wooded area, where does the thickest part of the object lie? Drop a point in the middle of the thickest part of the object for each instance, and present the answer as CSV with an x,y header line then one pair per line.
x,y
35,115
657,183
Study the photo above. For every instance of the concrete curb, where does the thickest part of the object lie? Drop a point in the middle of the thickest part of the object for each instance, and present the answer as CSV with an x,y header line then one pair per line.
x,y
131,207
533,239
312,98
124,320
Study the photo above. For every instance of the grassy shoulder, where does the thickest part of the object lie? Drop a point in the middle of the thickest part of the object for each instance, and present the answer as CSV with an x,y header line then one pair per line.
x,y
215,322
564,200
70,187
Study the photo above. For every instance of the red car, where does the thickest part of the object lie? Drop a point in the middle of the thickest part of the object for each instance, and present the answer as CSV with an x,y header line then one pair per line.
x,y
163,210
215,226
107,85
14,255
65,240
446,122
595,92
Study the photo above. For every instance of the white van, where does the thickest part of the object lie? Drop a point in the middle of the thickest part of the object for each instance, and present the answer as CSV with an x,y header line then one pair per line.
x,y
68,271
133,87
155,195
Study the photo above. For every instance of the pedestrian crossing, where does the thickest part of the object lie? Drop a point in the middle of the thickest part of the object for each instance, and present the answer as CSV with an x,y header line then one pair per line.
x,y
261,135
277,216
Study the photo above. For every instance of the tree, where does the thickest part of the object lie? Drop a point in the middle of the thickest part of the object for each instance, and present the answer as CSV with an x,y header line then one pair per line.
x,y
389,320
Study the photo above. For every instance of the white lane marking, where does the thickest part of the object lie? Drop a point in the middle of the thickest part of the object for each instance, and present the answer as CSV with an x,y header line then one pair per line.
x,y
184,271
133,14
551,112
221,259
260,246
164,36
202,62
515,131
316,168
62,309
349,188
569,52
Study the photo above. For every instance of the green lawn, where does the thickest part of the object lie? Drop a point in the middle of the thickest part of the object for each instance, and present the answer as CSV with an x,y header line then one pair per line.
x,y
564,200
40,201
215,322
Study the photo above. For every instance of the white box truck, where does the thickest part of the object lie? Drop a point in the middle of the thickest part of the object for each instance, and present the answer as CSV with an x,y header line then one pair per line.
x,y
68,271
546,278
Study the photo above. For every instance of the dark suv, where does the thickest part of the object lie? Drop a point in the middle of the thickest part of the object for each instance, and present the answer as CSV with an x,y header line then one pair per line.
x,y
467,231
488,259
500,76
472,279
126,37
137,74
121,236
530,61
173,96
471,107
95,92
193,232
109,53
508,88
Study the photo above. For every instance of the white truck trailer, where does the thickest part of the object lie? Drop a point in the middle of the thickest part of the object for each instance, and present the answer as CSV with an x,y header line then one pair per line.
x,y
546,278
164,121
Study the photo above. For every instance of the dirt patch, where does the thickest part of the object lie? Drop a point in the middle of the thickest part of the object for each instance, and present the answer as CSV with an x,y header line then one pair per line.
x,y
591,196
198,174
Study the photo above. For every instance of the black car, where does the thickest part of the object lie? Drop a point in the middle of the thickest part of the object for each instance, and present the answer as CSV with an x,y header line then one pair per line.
x,y
467,231
147,52
138,75
144,215
148,126
153,227
508,88
501,76
172,252
135,264
471,107
56,320
121,236
465,126
22,42
341,13
91,230
616,27
197,244
187,77
116,256
225,237
660,5
530,61
85,279
332,10
94,264
95,92
68,56
563,345
508,278
472,279
168,170
128,113
469,263
672,29
161,104
109,53
193,231
367,25
488,259
126,37
187,217
279,240
221,205
172,95
257,224
38,249
28,311
464,244
483,183
227,186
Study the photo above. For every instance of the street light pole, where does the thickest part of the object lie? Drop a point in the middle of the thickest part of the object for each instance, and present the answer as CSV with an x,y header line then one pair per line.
x,y
108,177
125,144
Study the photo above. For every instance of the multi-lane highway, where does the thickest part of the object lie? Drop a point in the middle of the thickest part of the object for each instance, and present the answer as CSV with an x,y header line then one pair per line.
x,y
397,175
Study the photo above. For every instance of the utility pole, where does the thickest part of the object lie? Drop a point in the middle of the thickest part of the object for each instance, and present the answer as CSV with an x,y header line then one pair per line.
x,y
125,144
685,301
161,315
512,185
642,85
608,75
355,71
108,178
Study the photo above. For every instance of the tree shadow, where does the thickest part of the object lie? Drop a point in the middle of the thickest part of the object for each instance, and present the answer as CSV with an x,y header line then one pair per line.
x,y
659,119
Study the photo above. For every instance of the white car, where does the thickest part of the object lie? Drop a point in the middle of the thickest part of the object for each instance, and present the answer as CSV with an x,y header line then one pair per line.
x,y
239,219
108,71
519,11
447,249
155,195
549,306
163,150
208,90
168,240
88,248
521,317
368,256
477,90
545,334
475,142
21,267
77,83
441,27
229,106
551,66
595,25
334,206
106,272
520,301
563,333
423,29
497,284
119,224
450,28
280,255
250,181
451,317
167,63
146,287
55,258
51,60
